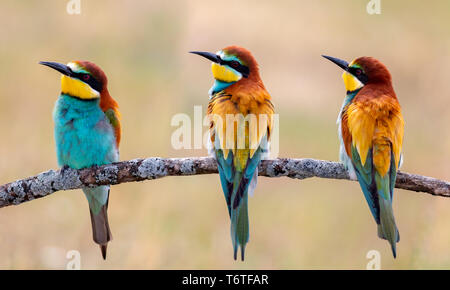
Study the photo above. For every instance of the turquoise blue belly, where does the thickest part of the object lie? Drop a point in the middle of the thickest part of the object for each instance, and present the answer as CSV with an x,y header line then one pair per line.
x,y
84,137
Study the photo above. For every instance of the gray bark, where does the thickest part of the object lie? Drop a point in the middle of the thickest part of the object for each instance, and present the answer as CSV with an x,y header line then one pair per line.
x,y
51,181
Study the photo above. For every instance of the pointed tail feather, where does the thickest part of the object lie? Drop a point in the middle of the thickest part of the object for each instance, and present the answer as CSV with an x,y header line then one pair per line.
x,y
103,250
240,227
98,198
101,232
387,228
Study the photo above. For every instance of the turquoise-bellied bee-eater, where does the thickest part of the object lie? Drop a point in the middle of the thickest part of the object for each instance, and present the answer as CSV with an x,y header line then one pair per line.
x,y
87,133
371,135
238,91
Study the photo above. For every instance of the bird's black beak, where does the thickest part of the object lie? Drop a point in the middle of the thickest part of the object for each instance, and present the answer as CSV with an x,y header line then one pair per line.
x,y
62,68
339,62
211,56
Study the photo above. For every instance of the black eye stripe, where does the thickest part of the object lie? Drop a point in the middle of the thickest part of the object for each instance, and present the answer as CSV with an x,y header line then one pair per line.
x,y
92,82
359,74
244,70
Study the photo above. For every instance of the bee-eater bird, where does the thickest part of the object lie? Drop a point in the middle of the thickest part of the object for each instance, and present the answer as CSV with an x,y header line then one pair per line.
x,y
371,135
87,133
238,91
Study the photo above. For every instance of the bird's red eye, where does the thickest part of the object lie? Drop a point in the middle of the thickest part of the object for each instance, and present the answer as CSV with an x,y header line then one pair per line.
x,y
358,72
234,64
86,77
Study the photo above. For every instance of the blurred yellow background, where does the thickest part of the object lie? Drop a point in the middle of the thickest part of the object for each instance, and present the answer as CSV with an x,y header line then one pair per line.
x,y
182,222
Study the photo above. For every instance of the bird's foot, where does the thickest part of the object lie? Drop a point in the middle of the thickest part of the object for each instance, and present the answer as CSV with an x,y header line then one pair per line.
x,y
64,169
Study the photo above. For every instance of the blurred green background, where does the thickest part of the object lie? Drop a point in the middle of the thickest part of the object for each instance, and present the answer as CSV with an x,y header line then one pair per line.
x,y
182,222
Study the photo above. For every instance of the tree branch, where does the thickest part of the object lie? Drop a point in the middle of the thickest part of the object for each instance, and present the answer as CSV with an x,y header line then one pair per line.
x,y
51,181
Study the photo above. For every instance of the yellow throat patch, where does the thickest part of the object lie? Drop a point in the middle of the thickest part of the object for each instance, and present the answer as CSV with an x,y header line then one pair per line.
x,y
77,88
351,82
224,74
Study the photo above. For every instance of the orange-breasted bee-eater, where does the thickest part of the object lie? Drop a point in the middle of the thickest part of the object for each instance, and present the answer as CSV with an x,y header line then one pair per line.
x,y
238,146
87,133
371,135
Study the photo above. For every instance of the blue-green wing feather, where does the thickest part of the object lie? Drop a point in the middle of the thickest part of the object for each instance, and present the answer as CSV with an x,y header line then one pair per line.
x,y
365,179
378,191
235,185
226,173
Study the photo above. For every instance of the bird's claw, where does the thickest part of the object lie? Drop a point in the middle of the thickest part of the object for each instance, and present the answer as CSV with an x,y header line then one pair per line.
x,y
64,169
